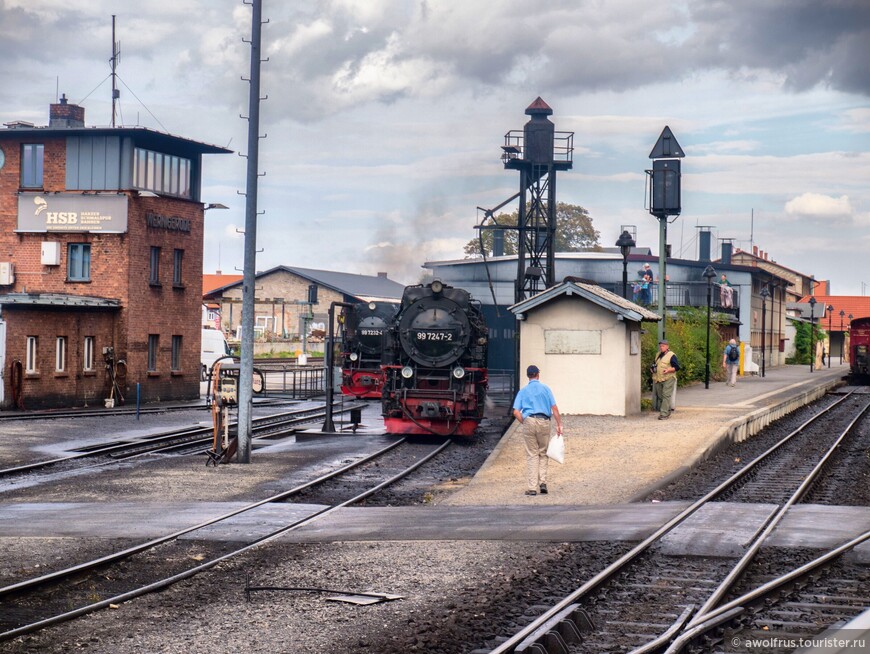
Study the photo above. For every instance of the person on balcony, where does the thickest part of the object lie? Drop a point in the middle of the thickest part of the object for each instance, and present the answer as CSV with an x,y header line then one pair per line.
x,y
726,293
646,280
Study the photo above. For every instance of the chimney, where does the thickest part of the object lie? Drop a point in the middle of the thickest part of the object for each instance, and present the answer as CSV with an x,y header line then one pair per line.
x,y
726,252
65,114
382,275
498,242
704,245
755,250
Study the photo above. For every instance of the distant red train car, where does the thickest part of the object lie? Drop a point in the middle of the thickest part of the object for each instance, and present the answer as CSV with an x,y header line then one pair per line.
x,y
859,344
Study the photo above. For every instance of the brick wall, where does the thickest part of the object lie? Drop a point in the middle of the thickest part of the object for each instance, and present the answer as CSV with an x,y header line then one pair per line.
x,y
47,387
280,284
164,309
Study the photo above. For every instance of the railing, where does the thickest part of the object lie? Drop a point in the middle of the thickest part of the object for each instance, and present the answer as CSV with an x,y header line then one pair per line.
x,y
514,146
292,381
501,389
682,294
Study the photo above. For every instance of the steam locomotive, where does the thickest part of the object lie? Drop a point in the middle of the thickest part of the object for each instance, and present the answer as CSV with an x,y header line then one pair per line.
x,y
364,325
434,361
859,349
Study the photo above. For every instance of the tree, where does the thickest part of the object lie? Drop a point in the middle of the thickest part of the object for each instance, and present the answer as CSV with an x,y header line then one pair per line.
x,y
574,232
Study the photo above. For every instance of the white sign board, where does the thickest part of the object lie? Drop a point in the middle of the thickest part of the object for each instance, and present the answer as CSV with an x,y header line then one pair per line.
x,y
72,212
565,341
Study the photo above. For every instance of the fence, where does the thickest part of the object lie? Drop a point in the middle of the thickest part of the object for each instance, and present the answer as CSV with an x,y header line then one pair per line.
x,y
686,294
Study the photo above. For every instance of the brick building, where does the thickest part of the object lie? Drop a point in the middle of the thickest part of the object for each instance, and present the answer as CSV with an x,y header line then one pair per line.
x,y
101,239
282,307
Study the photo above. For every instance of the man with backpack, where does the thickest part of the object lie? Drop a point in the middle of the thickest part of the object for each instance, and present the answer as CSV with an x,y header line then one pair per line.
x,y
731,361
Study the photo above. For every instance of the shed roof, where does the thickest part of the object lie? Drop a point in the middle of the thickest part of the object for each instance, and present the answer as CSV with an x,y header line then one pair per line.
x,y
595,294
362,287
58,300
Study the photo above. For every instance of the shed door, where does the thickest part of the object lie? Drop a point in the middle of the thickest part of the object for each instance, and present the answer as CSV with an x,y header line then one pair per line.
x,y
2,359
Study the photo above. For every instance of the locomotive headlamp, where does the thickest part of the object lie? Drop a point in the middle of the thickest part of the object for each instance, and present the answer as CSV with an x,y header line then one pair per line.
x,y
459,372
354,356
372,306
437,286
407,372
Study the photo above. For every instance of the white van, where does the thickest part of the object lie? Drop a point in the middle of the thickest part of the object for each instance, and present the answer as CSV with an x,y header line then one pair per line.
x,y
214,346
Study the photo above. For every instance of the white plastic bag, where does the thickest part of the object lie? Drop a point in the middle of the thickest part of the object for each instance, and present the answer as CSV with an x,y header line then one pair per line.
x,y
556,448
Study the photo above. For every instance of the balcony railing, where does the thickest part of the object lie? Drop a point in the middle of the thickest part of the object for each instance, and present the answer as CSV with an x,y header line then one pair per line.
x,y
683,294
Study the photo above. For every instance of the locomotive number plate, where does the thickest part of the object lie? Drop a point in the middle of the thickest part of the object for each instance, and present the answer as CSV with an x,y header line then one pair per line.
x,y
434,336
371,332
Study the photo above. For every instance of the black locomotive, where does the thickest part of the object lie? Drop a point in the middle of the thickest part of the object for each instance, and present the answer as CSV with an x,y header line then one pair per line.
x,y
435,363
363,328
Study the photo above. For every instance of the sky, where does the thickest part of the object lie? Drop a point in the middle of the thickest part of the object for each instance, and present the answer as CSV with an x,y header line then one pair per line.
x,y
383,122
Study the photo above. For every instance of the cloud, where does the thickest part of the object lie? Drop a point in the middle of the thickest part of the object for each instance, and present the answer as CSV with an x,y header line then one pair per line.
x,y
234,232
820,206
856,120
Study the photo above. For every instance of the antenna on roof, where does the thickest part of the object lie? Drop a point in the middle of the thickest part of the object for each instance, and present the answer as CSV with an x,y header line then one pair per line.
x,y
116,57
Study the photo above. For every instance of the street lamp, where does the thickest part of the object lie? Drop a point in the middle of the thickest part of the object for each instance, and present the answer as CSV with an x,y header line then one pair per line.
x,y
812,333
709,275
830,316
764,295
842,336
625,243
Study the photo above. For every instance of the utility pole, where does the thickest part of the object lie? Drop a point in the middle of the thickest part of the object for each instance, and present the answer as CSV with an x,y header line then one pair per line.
x,y
246,372
116,57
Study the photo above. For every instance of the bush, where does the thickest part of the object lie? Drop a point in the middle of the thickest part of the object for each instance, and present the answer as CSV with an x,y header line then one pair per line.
x,y
803,341
687,339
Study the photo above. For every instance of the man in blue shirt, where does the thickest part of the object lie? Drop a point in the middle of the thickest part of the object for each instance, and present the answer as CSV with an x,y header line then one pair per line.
x,y
533,408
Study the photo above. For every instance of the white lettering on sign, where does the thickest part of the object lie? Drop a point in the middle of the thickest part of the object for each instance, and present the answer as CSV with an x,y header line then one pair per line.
x,y
566,341
61,218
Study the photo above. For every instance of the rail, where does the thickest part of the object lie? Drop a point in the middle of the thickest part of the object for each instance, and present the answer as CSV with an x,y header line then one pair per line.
x,y
532,634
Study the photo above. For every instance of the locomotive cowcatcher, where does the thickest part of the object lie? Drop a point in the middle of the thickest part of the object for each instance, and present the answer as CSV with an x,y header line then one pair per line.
x,y
435,363
363,327
859,349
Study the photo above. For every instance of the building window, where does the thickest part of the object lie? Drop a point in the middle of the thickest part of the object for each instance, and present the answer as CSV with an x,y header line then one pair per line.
x,y
154,277
178,268
161,173
78,262
30,364
31,165
176,353
88,360
153,342
60,355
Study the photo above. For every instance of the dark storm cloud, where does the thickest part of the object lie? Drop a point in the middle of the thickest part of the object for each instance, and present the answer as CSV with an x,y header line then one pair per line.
x,y
808,41
576,46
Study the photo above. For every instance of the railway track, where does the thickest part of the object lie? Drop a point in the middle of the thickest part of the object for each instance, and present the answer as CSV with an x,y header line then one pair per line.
x,y
126,410
185,440
649,602
36,603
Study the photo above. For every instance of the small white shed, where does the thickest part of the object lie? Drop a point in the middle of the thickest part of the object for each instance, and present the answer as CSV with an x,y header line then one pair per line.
x,y
586,341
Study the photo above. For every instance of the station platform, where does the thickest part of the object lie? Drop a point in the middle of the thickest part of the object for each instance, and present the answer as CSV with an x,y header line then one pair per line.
x,y
615,459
